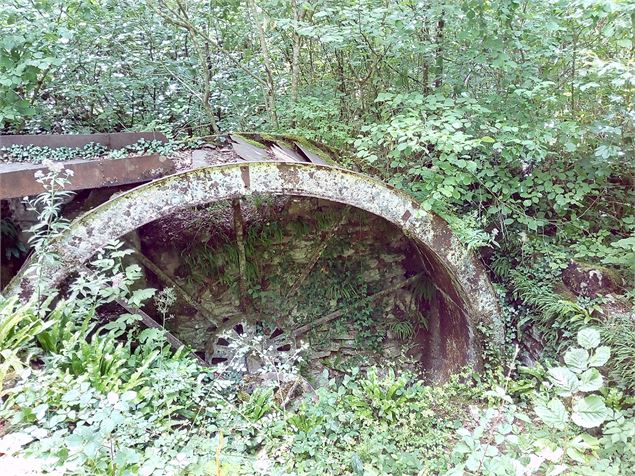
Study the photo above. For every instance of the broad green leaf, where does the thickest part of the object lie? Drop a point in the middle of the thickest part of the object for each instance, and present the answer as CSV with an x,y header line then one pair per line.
x,y
565,381
577,360
581,446
553,414
589,412
140,295
589,338
600,356
591,380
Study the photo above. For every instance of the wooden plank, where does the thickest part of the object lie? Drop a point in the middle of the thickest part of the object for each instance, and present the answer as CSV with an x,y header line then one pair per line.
x,y
286,154
312,156
248,151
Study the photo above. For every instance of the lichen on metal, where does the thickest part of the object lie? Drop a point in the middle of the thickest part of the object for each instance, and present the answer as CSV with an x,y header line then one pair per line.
x,y
201,186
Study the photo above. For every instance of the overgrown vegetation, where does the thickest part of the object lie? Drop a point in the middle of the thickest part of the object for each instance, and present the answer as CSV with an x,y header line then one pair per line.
x,y
513,120
37,155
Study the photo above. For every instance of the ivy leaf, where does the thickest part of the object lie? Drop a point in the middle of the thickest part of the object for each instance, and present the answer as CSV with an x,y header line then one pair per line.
x,y
553,414
591,380
565,380
600,356
577,360
589,412
589,338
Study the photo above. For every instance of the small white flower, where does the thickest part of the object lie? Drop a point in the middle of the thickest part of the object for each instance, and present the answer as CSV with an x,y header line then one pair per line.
x,y
117,280
52,166
56,167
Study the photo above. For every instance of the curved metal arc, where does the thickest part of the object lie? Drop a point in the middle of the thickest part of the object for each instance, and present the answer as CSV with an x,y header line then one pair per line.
x,y
161,197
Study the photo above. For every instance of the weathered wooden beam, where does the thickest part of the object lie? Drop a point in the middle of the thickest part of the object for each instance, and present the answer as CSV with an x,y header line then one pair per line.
x,y
337,314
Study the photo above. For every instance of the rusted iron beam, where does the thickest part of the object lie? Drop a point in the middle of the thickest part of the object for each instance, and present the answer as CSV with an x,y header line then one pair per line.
x,y
367,300
174,341
239,229
18,179
166,278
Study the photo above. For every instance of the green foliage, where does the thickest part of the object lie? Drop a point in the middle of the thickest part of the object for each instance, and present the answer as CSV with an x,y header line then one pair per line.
x,y
20,324
618,331
576,431
512,121
357,417
559,318
36,155
622,253
260,403
30,48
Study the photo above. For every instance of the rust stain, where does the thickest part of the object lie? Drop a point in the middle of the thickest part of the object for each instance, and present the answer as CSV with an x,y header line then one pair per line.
x,y
244,173
289,175
18,180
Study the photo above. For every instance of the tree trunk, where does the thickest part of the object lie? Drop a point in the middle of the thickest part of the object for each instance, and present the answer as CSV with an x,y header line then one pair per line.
x,y
341,84
264,49
438,79
425,70
295,58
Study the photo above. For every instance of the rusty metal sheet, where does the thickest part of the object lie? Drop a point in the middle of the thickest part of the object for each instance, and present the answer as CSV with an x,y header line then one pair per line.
x,y
17,180
313,157
282,148
283,156
53,141
248,151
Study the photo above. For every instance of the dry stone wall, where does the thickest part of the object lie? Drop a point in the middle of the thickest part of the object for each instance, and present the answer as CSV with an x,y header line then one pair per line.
x,y
357,254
